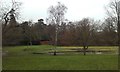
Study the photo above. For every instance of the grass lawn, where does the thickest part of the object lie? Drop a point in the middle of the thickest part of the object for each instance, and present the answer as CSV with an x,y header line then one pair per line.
x,y
22,58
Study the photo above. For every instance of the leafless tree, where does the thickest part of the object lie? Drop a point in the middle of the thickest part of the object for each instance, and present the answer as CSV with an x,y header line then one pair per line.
x,y
56,15
7,14
84,32
114,12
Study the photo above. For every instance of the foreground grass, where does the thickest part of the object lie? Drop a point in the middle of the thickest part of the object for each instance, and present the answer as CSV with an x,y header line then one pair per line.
x,y
21,58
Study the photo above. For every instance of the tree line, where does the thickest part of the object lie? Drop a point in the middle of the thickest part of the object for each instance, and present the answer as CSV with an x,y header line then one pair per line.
x,y
84,32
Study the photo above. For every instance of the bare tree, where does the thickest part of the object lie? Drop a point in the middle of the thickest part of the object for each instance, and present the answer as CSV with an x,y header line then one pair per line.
x,y
84,32
56,15
114,12
109,34
8,14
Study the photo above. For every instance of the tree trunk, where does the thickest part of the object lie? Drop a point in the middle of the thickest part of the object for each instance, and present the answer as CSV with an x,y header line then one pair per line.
x,y
119,33
54,53
84,50
56,39
30,42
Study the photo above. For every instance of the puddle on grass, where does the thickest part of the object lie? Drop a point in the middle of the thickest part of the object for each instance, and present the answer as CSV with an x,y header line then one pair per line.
x,y
76,51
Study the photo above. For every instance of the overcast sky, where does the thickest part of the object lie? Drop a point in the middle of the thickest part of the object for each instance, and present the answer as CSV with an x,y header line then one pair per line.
x,y
77,9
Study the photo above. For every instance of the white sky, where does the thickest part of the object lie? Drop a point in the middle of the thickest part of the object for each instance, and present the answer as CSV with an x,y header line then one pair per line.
x,y
77,9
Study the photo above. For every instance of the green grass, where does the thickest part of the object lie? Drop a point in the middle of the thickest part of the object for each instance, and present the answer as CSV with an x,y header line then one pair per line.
x,y
21,58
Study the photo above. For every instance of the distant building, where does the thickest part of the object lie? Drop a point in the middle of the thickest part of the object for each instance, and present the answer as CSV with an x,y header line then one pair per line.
x,y
44,42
